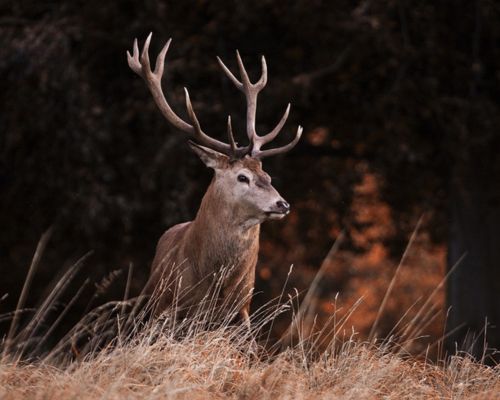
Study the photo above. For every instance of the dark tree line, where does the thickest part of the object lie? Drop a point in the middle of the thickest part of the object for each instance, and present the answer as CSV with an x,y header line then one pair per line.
x,y
411,88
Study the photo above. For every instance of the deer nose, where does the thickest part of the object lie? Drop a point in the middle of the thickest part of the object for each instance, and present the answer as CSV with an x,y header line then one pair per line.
x,y
283,206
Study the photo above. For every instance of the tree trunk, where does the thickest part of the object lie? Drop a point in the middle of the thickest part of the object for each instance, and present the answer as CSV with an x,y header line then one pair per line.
x,y
473,294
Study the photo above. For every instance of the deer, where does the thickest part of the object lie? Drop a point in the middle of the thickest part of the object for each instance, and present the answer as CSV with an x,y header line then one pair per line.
x,y
240,197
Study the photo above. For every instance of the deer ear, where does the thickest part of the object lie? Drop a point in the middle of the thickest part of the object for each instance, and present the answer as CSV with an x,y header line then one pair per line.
x,y
211,158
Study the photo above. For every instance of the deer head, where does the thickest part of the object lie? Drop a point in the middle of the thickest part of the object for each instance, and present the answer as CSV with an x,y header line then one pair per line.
x,y
239,178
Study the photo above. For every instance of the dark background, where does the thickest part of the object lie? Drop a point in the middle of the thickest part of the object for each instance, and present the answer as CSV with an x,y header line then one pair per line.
x,y
400,104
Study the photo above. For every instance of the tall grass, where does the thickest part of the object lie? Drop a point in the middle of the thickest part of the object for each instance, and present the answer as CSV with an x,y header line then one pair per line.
x,y
118,351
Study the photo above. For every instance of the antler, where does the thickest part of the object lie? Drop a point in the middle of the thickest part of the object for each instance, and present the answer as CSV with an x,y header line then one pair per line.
x,y
141,66
251,91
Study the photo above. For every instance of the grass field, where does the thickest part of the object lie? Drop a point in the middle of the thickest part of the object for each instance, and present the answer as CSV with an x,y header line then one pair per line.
x,y
108,355
222,364
117,352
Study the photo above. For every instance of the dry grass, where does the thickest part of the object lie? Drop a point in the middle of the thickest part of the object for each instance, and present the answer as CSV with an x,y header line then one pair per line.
x,y
172,358
116,352
217,365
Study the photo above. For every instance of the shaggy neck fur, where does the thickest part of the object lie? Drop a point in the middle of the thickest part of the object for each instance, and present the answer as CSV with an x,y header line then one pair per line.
x,y
221,234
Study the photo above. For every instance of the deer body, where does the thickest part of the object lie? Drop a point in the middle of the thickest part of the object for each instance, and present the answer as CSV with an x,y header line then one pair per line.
x,y
199,249
224,236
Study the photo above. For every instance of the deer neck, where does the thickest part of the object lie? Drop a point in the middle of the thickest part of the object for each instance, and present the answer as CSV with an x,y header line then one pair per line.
x,y
216,214
219,236
219,228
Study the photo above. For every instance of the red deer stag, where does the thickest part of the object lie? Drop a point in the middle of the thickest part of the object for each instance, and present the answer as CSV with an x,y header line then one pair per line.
x,y
240,197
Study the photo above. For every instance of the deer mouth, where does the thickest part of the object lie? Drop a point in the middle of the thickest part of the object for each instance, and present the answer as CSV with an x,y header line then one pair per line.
x,y
276,214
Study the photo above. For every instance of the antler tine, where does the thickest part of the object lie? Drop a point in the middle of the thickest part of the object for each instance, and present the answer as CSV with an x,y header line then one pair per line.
x,y
160,60
277,129
229,74
263,77
192,116
279,150
230,136
145,54
232,150
140,64
243,72
244,75
133,60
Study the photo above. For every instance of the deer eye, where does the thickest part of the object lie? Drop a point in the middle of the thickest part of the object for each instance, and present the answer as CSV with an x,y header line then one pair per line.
x,y
243,178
